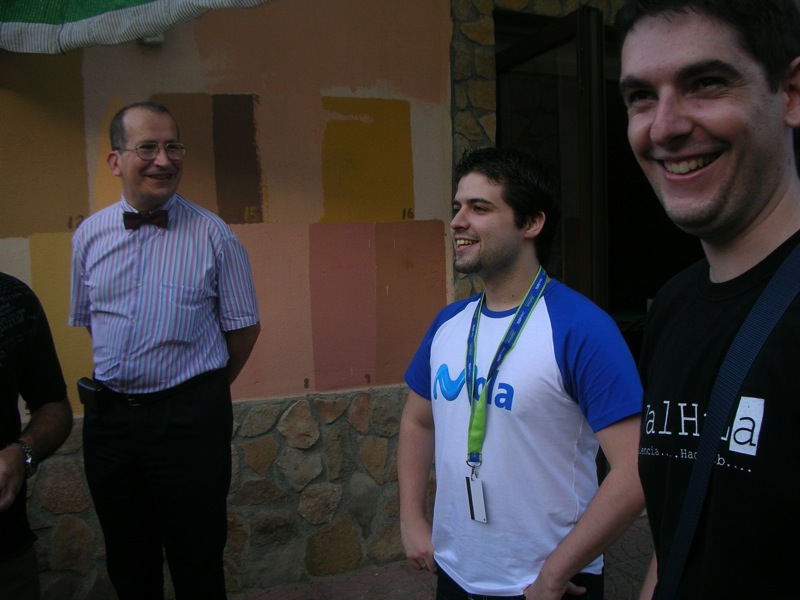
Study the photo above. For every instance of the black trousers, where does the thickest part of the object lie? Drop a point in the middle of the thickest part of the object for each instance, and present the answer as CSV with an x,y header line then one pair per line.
x,y
19,576
447,589
159,475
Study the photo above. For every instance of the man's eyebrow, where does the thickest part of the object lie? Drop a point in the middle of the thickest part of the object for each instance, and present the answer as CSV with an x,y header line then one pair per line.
x,y
478,200
630,83
709,66
688,72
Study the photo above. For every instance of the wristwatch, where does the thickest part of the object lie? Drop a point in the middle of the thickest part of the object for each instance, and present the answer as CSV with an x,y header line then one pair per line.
x,y
31,462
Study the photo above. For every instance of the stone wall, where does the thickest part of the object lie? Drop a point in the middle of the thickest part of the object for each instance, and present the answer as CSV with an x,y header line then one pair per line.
x,y
314,493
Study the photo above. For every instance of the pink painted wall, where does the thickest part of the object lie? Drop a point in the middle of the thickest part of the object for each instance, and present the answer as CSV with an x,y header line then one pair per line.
x,y
343,304
410,284
283,358
374,290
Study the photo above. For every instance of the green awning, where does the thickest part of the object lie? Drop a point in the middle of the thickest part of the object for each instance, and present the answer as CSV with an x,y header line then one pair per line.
x,y
56,26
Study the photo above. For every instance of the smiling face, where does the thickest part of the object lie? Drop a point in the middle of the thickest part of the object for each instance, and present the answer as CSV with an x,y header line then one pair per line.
x,y
705,127
147,184
487,240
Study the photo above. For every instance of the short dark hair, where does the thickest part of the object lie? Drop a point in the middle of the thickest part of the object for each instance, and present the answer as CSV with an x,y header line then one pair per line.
x,y
768,30
528,188
118,135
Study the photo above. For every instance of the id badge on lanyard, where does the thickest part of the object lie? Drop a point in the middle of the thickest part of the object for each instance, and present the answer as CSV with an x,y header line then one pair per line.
x,y
477,420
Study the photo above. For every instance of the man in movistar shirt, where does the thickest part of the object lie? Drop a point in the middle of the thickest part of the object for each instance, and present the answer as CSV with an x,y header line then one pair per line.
x,y
512,393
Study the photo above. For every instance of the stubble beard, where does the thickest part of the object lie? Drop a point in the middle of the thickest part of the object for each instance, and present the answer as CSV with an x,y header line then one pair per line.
x,y
471,267
498,262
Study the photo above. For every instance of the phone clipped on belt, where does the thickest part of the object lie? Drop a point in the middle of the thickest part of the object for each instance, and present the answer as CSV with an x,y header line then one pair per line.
x,y
89,390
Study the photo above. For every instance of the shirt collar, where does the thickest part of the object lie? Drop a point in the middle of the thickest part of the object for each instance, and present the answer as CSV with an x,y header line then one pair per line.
x,y
166,206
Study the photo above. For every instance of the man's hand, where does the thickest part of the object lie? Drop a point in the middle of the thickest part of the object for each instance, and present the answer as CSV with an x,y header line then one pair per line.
x,y
49,426
12,474
542,590
618,502
414,460
416,538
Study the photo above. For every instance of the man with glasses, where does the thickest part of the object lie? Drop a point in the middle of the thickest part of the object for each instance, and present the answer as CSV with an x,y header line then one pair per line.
x,y
165,290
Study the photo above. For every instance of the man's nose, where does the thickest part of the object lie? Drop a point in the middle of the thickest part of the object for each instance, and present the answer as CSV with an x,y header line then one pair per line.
x,y
458,221
161,156
670,120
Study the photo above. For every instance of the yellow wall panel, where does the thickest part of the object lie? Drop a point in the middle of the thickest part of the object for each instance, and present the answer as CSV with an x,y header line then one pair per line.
x,y
50,269
107,188
42,156
367,170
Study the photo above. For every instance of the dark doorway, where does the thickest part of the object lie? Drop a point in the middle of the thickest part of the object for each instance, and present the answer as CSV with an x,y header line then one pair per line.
x,y
558,97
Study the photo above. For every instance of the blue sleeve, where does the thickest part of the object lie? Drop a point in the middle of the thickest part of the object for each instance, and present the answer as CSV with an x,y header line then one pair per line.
x,y
596,364
418,374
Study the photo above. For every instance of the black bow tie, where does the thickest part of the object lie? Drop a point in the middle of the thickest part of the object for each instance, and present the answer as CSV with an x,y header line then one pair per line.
x,y
134,220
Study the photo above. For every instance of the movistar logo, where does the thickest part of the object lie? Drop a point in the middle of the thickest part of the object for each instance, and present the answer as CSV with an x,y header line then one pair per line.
x,y
450,388
501,395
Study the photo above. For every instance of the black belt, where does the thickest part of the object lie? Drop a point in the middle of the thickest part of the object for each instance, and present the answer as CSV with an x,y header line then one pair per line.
x,y
142,399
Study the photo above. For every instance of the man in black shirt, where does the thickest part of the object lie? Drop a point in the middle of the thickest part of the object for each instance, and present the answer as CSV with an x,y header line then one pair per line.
x,y
712,89
29,368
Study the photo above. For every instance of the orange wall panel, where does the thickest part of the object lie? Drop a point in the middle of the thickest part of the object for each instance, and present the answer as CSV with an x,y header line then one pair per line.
x,y
282,361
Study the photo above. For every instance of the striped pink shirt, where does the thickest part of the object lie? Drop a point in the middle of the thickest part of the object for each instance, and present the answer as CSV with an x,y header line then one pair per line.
x,y
157,301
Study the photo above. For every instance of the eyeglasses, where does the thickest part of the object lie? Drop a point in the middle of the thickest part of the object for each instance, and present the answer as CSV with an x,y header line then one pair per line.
x,y
150,150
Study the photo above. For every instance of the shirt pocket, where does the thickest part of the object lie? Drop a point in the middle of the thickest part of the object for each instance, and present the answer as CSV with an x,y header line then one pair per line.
x,y
183,310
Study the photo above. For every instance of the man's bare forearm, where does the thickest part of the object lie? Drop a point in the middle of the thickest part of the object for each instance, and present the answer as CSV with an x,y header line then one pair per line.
x,y
240,344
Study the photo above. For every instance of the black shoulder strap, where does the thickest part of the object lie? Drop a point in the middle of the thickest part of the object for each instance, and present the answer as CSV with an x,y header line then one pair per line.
x,y
768,309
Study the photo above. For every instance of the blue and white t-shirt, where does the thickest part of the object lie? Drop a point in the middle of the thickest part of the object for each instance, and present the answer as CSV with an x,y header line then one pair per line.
x,y
569,375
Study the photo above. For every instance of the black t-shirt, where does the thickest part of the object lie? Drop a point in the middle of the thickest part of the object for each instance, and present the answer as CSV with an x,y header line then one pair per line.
x,y
29,368
746,545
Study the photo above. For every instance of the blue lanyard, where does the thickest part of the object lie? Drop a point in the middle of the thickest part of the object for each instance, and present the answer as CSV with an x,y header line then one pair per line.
x,y
477,418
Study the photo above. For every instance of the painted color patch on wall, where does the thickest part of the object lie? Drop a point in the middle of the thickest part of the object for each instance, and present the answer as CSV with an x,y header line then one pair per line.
x,y
194,115
42,158
410,290
222,170
238,170
50,270
375,287
342,274
282,361
367,171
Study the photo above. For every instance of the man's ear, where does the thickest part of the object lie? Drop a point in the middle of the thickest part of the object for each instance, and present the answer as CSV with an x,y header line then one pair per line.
x,y
791,90
533,226
113,162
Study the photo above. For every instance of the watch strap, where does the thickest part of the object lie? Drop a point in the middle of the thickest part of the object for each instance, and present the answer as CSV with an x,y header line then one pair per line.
x,y
31,461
